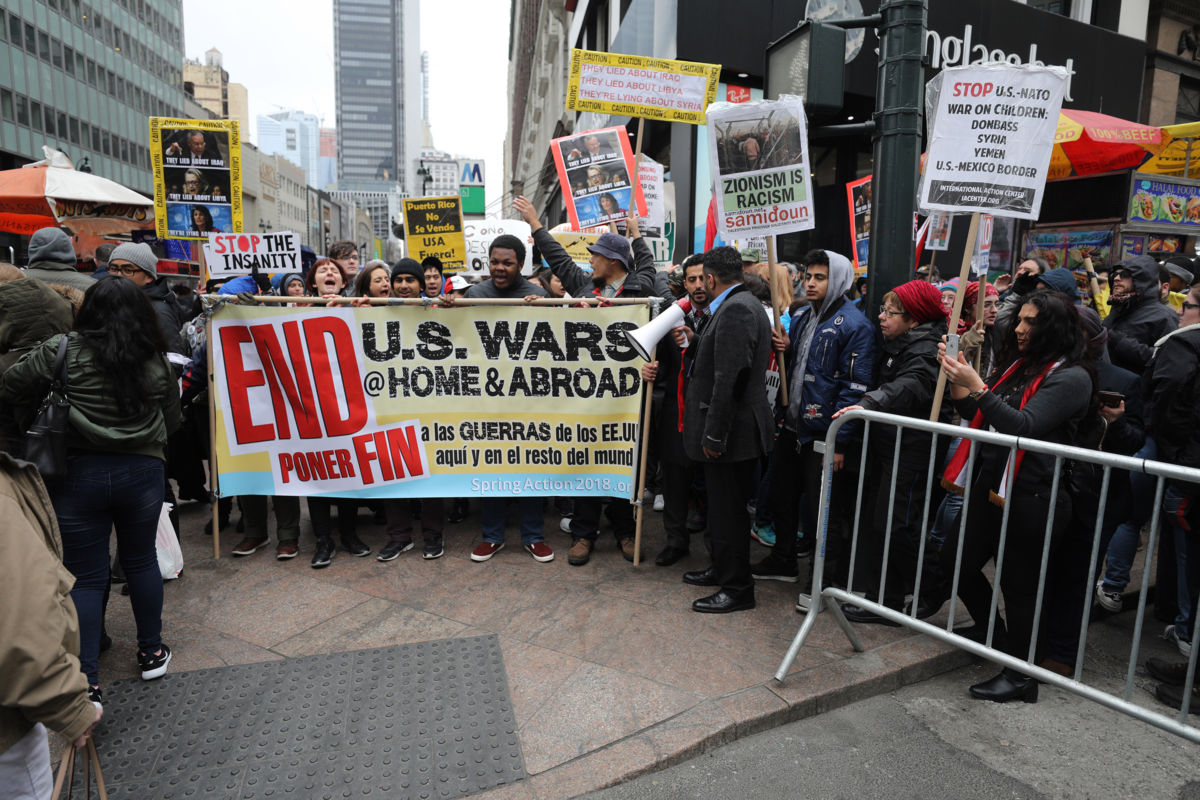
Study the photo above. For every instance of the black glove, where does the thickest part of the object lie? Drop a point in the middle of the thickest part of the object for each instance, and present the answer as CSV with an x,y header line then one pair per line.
x,y
1024,284
247,299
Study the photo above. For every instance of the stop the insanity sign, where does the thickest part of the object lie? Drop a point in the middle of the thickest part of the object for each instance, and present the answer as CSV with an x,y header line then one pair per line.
x,y
992,136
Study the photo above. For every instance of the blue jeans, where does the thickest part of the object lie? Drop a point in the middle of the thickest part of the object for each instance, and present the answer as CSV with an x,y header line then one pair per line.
x,y
102,491
493,512
1122,548
1172,500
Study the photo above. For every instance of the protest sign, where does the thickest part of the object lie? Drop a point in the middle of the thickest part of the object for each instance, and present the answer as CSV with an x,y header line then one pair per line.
x,y
433,226
858,195
238,253
983,246
992,135
594,170
412,402
197,166
576,244
635,86
760,157
650,175
939,230
479,234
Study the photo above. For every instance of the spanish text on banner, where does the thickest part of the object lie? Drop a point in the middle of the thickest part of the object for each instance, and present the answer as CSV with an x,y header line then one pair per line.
x,y
992,136
434,227
760,160
426,402
635,86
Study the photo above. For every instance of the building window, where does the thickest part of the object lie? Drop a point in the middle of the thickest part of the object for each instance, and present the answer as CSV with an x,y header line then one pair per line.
x,y
1187,108
30,39
74,131
95,139
44,46
62,125
68,60
6,105
22,110
14,29
106,142
1060,7
56,53
35,113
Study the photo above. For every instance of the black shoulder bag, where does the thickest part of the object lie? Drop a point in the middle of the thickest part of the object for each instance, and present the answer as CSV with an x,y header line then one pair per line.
x,y
46,438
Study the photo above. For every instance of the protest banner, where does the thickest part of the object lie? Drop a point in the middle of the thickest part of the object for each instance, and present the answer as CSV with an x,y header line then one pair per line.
x,y
576,244
992,135
239,253
594,170
197,166
478,235
760,157
939,230
650,175
636,86
405,401
983,246
858,196
433,226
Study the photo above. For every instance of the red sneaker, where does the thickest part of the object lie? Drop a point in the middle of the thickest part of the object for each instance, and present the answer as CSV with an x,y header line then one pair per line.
x,y
485,550
540,551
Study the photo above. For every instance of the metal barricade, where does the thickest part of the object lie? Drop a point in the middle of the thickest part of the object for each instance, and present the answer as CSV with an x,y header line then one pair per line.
x,y
832,597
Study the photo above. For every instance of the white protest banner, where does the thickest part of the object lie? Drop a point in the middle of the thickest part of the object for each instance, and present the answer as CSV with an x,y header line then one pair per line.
x,y
760,159
479,235
635,86
238,253
408,402
992,136
650,175
939,230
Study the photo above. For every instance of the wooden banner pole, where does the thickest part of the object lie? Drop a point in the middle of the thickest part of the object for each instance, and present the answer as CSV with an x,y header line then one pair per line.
x,y
980,300
212,443
963,275
644,447
780,355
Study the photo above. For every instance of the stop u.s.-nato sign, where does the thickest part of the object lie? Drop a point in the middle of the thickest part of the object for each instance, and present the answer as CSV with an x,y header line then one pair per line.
x,y
992,133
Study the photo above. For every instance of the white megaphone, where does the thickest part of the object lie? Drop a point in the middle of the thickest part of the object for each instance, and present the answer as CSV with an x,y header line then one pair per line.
x,y
646,337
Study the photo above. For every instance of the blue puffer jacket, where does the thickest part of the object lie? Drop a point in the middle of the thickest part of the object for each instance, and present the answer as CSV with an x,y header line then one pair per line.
x,y
841,364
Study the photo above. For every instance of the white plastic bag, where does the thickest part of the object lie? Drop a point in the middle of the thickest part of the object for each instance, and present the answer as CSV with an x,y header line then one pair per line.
x,y
170,555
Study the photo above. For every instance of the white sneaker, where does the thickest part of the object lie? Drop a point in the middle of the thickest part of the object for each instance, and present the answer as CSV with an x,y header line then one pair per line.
x,y
1109,601
564,525
659,502
1183,645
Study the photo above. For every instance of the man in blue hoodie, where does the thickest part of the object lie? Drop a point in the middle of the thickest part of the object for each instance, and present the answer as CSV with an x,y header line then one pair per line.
x,y
830,363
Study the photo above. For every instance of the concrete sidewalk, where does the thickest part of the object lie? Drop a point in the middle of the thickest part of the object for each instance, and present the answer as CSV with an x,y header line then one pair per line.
x,y
610,671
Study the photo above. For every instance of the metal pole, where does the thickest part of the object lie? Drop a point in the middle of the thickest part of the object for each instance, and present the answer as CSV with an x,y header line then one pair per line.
x,y
898,119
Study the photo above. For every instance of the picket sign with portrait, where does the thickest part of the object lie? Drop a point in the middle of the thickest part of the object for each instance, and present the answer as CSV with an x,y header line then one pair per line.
x,y
992,130
594,170
433,226
760,160
404,401
858,197
478,235
940,223
228,254
197,166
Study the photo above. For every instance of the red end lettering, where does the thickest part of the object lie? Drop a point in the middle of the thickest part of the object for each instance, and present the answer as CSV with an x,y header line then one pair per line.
x,y
318,331
292,383
239,381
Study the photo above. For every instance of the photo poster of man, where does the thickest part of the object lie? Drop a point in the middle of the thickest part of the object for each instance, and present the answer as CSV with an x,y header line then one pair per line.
x,y
858,196
594,169
197,177
760,159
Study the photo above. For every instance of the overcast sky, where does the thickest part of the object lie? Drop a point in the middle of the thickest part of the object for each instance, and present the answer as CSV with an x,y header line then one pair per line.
x,y
283,54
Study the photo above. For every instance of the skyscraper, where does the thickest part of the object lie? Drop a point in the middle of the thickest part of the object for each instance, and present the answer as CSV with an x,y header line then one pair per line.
x,y
295,136
377,47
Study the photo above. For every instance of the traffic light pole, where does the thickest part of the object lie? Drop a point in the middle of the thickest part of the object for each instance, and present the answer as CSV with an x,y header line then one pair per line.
x,y
899,109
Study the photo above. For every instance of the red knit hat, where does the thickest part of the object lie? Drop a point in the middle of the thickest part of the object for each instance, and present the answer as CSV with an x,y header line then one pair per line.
x,y
922,300
971,296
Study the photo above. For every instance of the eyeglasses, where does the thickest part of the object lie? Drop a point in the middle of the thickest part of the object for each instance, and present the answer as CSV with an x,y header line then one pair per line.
x,y
990,304
889,312
124,269
1188,306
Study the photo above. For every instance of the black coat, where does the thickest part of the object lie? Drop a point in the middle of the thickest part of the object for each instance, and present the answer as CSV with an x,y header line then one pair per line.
x,y
1174,393
639,281
1134,327
170,321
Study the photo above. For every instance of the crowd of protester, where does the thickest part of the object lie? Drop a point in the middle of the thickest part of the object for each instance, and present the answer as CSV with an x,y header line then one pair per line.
x,y
1113,369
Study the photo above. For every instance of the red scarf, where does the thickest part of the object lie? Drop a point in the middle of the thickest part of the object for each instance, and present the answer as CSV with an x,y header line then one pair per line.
x,y
955,479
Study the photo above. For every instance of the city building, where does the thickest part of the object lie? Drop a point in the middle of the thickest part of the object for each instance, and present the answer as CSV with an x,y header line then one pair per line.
x,y
1171,93
294,135
437,173
209,84
327,160
378,84
83,78
386,218
291,198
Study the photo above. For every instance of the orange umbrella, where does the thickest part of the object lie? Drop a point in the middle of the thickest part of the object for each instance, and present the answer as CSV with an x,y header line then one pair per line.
x,y
1088,143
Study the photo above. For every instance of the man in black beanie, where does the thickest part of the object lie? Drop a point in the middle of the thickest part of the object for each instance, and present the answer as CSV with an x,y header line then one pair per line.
x,y
407,278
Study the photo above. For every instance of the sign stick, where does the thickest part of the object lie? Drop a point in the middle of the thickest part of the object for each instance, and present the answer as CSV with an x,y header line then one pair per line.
x,y
641,484
932,261
979,313
963,274
775,304
212,443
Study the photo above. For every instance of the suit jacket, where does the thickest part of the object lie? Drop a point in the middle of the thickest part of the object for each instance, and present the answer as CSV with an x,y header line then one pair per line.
x,y
725,405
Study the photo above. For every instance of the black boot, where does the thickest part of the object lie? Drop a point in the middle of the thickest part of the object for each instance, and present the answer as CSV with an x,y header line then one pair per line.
x,y
355,546
324,553
1008,685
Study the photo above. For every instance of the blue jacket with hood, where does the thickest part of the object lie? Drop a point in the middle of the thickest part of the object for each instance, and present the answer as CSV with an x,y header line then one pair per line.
x,y
841,359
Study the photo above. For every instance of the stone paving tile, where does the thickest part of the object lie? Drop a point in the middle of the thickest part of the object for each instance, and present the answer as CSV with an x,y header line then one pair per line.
x,y
374,623
534,675
597,770
593,707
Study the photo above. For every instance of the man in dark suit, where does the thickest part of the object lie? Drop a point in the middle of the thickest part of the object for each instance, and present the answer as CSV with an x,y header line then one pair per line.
x,y
727,424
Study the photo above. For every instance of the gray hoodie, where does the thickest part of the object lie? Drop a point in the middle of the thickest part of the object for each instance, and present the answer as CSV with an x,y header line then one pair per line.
x,y
52,260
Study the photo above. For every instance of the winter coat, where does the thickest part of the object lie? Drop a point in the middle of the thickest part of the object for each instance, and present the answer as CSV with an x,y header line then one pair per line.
x,y
639,281
170,317
30,313
54,272
1134,326
39,632
1174,394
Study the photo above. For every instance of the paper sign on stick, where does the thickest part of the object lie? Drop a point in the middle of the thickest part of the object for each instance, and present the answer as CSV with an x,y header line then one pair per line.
x,y
635,86
760,159
939,230
594,170
238,253
992,136
434,227
479,235
858,196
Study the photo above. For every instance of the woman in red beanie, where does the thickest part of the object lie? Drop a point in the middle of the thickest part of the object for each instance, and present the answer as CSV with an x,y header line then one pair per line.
x,y
979,334
913,323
